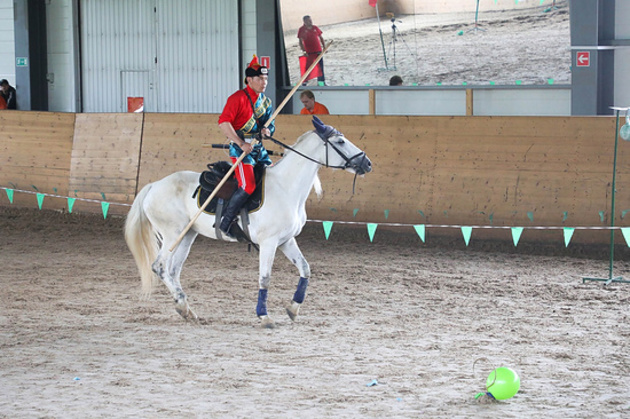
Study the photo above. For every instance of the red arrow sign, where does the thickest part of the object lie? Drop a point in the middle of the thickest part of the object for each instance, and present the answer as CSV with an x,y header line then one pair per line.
x,y
583,59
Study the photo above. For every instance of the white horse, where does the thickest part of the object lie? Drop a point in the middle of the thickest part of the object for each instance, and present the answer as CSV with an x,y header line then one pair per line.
x,y
163,209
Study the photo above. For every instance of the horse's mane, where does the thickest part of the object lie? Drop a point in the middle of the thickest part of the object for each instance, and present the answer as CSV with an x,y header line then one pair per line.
x,y
317,184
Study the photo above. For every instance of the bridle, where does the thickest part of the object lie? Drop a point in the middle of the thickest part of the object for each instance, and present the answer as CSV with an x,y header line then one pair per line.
x,y
325,137
326,140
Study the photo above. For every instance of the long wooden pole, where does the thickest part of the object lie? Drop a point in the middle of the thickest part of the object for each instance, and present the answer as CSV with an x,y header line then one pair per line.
x,y
242,156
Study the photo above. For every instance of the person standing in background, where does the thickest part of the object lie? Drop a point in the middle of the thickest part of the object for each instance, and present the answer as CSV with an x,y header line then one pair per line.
x,y
8,94
312,44
310,106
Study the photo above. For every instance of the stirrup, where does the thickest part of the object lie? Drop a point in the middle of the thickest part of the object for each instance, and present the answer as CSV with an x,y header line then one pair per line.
x,y
230,230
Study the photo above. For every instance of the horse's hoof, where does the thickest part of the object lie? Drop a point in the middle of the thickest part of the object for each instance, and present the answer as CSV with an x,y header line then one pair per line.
x,y
266,322
292,310
187,314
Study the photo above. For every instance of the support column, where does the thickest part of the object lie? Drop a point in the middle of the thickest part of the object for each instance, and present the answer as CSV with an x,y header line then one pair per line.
x,y
592,27
31,55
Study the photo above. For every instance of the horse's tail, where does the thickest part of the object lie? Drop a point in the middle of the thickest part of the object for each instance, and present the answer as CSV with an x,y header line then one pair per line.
x,y
141,239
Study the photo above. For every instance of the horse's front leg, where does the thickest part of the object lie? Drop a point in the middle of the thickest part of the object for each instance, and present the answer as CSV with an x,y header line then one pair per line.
x,y
293,253
267,256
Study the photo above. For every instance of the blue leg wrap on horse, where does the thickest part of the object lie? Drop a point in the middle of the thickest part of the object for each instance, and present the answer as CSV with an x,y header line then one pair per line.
x,y
261,308
300,293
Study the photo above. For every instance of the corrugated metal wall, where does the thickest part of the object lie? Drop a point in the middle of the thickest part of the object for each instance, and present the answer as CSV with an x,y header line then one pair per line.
x,y
183,55
7,42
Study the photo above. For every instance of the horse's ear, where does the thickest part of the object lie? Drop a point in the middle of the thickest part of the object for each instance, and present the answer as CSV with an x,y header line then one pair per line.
x,y
319,125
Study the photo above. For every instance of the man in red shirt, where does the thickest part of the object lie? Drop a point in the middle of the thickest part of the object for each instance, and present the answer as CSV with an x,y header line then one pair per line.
x,y
312,44
310,106
243,119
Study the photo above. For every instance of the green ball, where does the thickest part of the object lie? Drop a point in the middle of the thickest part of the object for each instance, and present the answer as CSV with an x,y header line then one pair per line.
x,y
503,383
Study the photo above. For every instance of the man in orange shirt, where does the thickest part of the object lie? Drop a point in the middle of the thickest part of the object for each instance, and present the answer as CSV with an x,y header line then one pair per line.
x,y
310,106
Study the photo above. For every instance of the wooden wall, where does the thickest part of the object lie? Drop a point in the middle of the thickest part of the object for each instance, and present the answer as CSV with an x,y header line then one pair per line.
x,y
105,158
477,170
35,153
483,171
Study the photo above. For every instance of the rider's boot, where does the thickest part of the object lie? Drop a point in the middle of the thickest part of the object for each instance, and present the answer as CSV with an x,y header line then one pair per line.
x,y
231,211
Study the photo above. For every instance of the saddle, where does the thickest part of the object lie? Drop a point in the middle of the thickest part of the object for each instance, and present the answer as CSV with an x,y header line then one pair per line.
x,y
209,179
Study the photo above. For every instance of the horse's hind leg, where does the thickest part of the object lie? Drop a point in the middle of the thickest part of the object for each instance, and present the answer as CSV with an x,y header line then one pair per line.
x,y
293,253
267,255
168,268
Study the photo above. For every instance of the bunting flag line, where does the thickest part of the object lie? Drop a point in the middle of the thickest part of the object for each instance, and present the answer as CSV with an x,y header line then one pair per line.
x,y
371,227
40,199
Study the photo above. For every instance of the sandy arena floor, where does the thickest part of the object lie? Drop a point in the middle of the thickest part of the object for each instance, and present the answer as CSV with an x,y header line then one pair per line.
x,y
76,340
529,46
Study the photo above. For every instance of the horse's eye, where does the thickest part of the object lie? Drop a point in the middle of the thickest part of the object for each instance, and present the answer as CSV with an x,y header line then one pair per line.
x,y
340,141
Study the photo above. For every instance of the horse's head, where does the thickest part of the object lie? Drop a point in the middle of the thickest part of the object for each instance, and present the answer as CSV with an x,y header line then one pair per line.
x,y
340,152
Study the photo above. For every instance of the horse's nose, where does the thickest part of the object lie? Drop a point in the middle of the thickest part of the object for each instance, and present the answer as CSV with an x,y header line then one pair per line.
x,y
368,165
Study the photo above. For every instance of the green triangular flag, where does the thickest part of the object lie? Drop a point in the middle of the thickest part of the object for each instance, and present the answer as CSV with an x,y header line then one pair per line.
x,y
327,227
10,194
105,206
40,200
530,215
626,234
568,233
371,230
386,214
467,231
516,234
420,231
354,212
70,204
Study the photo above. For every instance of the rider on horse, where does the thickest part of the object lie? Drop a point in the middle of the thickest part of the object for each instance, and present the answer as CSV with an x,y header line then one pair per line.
x,y
243,119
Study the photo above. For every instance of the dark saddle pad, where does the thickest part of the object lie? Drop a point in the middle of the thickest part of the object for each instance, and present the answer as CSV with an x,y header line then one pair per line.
x,y
210,178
